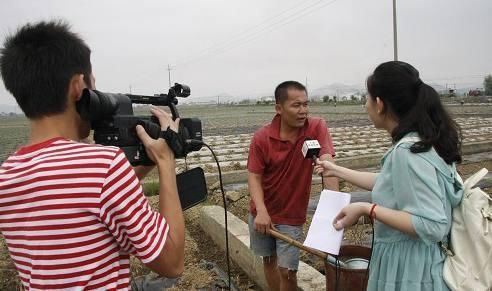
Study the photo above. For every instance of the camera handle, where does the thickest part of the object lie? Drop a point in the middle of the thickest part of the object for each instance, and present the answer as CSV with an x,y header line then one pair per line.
x,y
174,110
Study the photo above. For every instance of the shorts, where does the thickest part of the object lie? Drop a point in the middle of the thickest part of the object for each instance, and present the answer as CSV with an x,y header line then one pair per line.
x,y
266,246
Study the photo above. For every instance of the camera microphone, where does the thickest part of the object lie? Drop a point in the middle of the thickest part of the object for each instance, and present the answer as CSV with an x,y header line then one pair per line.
x,y
310,149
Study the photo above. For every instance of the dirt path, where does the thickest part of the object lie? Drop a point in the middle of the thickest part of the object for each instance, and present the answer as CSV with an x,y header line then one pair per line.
x,y
201,251
200,247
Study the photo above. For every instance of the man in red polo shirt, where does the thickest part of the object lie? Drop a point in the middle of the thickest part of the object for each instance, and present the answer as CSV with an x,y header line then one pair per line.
x,y
279,181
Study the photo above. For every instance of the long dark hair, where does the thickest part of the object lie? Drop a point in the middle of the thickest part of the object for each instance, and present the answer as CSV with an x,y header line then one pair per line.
x,y
418,108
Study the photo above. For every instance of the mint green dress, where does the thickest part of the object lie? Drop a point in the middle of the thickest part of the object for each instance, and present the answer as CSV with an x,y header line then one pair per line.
x,y
423,185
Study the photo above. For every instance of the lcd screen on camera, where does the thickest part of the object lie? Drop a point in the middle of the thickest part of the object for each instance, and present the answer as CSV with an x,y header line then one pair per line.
x,y
192,187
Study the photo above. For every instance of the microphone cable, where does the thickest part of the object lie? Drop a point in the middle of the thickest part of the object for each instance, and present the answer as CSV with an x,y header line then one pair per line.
x,y
370,257
337,261
199,142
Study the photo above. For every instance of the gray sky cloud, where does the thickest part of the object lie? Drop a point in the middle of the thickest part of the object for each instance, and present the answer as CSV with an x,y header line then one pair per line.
x,y
246,48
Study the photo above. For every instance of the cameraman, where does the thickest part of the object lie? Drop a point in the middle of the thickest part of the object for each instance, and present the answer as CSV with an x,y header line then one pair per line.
x,y
71,212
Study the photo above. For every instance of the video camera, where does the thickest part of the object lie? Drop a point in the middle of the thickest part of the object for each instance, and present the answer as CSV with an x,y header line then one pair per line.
x,y
111,117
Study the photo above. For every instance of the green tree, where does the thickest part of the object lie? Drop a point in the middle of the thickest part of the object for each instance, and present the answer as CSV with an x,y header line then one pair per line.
x,y
487,85
245,101
326,98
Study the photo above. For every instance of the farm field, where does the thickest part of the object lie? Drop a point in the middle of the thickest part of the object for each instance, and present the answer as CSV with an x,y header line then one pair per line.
x,y
352,134
14,131
233,119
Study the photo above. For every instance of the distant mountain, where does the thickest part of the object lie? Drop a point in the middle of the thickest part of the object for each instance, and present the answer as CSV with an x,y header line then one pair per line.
x,y
332,89
5,108
335,89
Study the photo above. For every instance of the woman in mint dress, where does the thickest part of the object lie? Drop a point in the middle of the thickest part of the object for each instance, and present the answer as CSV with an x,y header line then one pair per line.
x,y
415,191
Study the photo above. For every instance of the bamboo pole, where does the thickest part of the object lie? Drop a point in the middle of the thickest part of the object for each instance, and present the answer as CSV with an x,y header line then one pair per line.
x,y
295,243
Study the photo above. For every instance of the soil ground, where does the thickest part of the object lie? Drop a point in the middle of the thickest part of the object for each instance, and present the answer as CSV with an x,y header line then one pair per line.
x,y
201,250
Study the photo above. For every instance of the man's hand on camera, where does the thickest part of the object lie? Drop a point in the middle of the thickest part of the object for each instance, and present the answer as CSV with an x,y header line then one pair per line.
x,y
157,149
165,119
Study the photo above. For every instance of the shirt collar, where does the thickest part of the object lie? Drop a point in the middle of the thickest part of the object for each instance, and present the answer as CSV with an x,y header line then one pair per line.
x,y
274,129
34,147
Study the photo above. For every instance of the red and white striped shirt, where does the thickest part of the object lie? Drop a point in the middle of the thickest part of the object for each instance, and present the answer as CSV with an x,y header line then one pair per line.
x,y
71,214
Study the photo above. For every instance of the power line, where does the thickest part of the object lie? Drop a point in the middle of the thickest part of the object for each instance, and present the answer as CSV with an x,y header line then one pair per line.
x,y
235,37
395,33
254,35
169,74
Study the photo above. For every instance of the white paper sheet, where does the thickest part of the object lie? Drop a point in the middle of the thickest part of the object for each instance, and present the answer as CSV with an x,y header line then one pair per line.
x,y
321,234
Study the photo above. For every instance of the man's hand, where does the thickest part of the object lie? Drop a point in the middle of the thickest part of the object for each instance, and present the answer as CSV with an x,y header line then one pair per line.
x,y
157,149
262,222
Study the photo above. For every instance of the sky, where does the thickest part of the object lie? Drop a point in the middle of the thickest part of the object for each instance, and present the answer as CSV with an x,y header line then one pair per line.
x,y
245,48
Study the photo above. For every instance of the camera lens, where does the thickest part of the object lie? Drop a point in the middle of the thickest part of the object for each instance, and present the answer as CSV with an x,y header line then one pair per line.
x,y
96,106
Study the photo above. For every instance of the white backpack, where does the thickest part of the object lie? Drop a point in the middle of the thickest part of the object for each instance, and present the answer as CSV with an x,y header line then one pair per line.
x,y
468,265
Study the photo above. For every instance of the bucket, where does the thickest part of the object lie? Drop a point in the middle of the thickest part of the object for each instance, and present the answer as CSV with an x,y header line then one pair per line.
x,y
352,270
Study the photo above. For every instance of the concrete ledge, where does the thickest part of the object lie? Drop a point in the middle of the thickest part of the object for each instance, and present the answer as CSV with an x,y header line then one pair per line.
x,y
230,177
476,147
212,222
358,162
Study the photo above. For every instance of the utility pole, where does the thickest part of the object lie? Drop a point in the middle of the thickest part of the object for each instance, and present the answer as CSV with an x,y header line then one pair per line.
x,y
130,89
169,74
395,37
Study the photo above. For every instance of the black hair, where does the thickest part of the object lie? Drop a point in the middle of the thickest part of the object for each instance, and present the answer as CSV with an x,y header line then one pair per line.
x,y
282,90
37,63
418,108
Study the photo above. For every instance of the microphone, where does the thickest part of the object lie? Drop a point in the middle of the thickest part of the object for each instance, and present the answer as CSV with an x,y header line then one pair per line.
x,y
310,149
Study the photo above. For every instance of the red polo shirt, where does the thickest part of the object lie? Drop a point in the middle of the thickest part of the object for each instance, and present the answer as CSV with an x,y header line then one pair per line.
x,y
286,174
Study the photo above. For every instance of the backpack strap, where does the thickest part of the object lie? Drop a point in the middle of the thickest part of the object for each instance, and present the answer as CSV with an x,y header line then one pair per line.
x,y
474,179
467,185
413,139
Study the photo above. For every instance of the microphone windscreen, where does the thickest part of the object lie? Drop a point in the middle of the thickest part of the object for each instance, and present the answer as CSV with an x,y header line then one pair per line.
x,y
310,148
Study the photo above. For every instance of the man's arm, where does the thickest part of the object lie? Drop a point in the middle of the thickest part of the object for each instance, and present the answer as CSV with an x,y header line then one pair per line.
x,y
262,219
170,261
143,171
330,183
